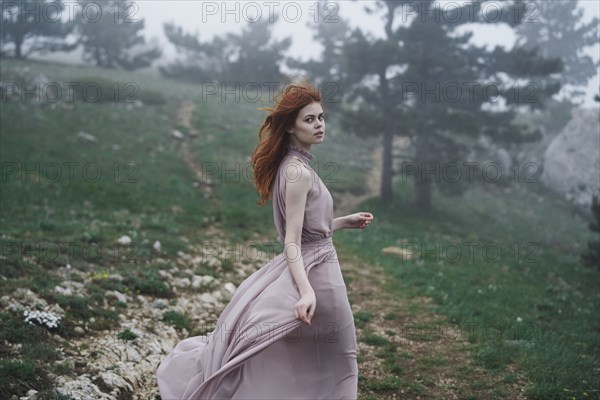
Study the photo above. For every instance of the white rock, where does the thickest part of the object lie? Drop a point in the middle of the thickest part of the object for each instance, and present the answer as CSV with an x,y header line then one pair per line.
x,y
157,247
197,281
86,137
113,380
182,282
202,280
572,160
31,395
207,298
230,287
63,291
177,134
164,274
160,303
124,240
82,388
116,295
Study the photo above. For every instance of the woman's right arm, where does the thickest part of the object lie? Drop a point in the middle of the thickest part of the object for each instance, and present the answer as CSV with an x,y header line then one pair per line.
x,y
298,183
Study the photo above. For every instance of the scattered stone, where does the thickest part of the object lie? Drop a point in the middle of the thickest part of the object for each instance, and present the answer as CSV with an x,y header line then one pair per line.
x,y
63,291
230,287
182,282
31,395
125,240
404,253
82,388
164,274
202,280
86,137
207,298
177,134
116,295
160,304
114,381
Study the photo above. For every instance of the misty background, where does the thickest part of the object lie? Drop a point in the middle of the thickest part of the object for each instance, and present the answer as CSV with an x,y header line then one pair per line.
x,y
146,172
194,17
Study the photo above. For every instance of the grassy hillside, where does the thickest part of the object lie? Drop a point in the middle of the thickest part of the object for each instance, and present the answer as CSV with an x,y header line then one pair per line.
x,y
523,300
532,306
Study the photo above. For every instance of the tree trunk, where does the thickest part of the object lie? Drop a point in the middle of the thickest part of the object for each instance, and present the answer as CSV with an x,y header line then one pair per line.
x,y
18,45
422,179
387,191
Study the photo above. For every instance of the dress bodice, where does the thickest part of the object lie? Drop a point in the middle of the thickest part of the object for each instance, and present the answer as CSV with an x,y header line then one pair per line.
x,y
318,213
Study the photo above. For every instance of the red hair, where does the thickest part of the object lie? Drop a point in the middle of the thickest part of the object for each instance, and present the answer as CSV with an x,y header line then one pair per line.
x,y
273,135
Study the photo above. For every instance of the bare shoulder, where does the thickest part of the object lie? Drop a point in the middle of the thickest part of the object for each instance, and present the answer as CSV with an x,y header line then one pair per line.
x,y
298,175
299,163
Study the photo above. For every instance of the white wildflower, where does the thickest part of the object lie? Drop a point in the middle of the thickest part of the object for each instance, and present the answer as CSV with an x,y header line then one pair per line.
x,y
42,318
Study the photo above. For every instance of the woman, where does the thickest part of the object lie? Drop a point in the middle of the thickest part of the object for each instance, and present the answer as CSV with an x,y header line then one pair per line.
x,y
288,331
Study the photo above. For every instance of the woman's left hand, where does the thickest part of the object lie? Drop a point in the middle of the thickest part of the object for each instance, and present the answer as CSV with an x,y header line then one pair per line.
x,y
359,220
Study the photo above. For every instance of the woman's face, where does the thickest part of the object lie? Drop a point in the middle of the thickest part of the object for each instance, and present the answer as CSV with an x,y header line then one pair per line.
x,y
310,121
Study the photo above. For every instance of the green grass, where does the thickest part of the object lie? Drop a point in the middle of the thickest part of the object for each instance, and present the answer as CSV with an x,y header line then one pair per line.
x,y
127,334
178,320
68,201
362,317
373,339
534,306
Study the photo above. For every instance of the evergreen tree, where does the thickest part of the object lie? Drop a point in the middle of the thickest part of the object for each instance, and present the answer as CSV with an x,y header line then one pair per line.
x,y
329,73
258,56
198,61
112,38
591,257
251,56
425,81
557,30
37,22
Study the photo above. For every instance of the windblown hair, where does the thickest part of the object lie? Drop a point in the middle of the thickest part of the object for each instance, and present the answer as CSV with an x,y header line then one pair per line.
x,y
273,135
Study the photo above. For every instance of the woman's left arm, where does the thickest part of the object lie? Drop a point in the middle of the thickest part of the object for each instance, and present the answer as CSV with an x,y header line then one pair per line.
x,y
358,220
339,223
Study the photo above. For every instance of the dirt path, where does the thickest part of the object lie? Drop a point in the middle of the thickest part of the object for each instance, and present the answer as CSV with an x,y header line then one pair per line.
x,y
184,118
405,350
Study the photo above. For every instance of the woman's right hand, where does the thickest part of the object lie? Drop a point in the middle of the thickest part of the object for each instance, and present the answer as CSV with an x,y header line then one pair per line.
x,y
304,309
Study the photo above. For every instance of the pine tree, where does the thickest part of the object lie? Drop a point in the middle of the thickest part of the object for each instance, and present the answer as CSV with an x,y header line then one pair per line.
x,y
426,82
329,73
35,22
591,257
198,61
113,38
258,55
557,30
251,56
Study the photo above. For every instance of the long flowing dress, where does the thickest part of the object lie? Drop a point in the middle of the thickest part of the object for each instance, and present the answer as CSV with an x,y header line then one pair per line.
x,y
259,350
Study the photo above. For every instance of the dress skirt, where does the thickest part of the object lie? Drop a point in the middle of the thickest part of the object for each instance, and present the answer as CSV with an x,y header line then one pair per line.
x,y
259,350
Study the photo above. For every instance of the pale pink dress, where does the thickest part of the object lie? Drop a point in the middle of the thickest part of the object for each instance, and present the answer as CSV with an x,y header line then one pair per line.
x,y
259,350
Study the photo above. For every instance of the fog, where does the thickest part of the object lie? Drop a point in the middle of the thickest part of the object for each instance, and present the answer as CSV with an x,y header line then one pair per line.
x,y
210,18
